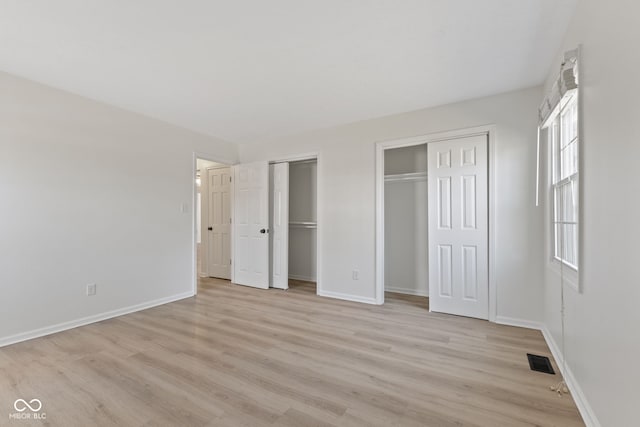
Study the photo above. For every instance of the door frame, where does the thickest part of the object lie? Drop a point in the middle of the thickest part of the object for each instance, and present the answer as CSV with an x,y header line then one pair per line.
x,y
194,238
319,192
381,146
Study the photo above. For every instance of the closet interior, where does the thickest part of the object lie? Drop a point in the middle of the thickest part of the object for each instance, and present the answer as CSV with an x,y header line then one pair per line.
x,y
406,268
303,220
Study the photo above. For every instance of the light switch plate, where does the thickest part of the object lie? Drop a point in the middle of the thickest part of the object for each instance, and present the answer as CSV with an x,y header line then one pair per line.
x,y
91,289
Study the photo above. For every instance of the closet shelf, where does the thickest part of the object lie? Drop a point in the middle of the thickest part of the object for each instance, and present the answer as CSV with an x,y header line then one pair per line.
x,y
303,224
414,176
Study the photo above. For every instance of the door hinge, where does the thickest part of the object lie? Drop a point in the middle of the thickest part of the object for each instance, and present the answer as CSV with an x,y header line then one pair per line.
x,y
229,220
230,179
230,262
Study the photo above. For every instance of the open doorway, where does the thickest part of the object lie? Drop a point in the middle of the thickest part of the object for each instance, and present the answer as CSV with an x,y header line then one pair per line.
x,y
213,222
293,225
303,225
406,267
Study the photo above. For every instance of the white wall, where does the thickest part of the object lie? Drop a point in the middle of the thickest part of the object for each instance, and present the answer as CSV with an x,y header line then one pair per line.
x,y
406,267
303,207
602,322
347,193
90,194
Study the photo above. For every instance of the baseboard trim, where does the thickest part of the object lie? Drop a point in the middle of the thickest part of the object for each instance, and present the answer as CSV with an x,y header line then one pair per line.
x,y
520,323
588,416
347,297
406,291
48,330
302,278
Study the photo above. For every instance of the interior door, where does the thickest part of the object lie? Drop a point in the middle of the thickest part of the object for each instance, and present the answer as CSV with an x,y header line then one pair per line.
x,y
251,224
219,223
279,207
458,227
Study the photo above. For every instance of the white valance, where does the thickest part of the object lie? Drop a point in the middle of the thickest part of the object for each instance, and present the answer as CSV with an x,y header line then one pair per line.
x,y
568,80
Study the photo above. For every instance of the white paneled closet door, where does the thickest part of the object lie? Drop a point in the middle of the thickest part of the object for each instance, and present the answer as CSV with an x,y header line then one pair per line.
x,y
279,179
458,227
251,225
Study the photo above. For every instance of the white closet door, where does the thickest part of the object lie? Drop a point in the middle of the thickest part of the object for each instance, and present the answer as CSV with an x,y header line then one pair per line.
x,y
280,225
251,222
458,227
219,227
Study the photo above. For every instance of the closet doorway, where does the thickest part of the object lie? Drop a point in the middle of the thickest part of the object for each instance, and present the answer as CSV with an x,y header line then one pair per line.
x,y
435,221
406,270
293,224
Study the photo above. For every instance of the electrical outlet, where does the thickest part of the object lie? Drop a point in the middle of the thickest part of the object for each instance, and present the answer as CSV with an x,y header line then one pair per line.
x,y
91,289
355,274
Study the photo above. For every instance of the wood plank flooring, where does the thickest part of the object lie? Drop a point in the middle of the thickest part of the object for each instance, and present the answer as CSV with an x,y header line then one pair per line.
x,y
237,356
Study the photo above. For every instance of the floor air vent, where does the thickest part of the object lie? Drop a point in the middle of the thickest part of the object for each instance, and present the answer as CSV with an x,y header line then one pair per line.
x,y
540,364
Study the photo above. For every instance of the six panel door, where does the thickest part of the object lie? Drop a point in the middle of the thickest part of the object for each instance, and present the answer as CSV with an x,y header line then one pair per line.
x,y
251,225
219,223
458,227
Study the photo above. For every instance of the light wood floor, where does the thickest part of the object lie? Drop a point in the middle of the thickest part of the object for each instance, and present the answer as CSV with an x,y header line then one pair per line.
x,y
236,356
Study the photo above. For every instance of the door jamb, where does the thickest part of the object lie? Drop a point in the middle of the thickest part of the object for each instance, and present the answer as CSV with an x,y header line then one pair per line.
x,y
490,131
309,156
194,238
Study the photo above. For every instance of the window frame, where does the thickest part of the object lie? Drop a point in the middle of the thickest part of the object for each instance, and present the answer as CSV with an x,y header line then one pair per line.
x,y
557,182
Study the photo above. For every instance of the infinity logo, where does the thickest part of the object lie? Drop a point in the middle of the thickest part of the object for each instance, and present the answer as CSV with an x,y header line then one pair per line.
x,y
21,405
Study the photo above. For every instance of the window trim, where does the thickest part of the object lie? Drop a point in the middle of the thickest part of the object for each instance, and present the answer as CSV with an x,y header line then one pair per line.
x,y
554,133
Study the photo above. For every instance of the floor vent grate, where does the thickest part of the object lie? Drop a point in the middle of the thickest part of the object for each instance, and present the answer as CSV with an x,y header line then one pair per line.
x,y
540,364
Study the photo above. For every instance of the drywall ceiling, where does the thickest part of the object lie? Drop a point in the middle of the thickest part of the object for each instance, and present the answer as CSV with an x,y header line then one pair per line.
x,y
244,70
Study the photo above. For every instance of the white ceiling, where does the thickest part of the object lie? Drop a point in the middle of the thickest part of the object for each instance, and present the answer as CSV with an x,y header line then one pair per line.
x,y
244,70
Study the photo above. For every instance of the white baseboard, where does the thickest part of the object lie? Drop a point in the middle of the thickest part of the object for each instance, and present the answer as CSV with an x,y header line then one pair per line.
x,y
303,278
347,297
48,330
588,416
520,323
405,291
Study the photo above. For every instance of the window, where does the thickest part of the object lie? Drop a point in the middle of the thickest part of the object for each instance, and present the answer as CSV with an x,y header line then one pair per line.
x,y
563,131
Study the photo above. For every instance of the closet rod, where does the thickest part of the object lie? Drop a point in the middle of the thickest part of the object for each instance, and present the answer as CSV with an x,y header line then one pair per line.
x,y
297,162
303,224
415,176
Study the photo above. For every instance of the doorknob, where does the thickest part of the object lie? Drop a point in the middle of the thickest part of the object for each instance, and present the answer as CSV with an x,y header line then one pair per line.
x,y
264,230
210,228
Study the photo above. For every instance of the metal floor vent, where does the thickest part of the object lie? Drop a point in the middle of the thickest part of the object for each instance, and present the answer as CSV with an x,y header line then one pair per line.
x,y
540,364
